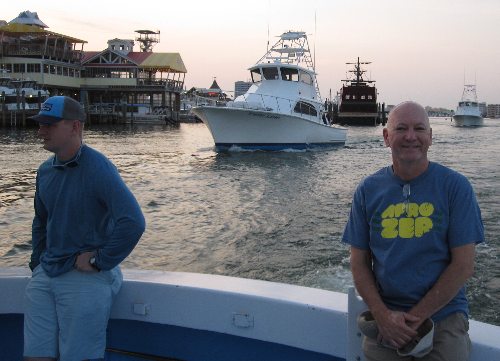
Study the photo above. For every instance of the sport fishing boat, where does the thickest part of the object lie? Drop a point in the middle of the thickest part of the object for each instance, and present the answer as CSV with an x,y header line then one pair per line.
x,y
358,99
281,109
468,113
198,317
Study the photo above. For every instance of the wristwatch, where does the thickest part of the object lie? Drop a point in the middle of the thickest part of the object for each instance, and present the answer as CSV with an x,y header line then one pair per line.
x,y
93,264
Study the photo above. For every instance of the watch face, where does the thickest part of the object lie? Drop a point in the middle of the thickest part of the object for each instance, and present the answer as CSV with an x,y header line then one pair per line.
x,y
92,263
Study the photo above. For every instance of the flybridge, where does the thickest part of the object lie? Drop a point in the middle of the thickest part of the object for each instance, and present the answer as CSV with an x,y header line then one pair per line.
x,y
291,48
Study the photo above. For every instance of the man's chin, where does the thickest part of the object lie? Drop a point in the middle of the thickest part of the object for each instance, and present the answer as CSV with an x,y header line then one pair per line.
x,y
47,147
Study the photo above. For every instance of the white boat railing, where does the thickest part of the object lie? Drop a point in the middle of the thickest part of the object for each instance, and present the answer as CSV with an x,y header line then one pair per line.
x,y
198,100
273,103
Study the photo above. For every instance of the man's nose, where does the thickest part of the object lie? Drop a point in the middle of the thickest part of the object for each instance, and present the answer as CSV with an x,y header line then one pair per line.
x,y
410,134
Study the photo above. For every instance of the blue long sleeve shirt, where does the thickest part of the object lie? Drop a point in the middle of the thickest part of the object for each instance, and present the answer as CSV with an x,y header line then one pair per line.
x,y
83,205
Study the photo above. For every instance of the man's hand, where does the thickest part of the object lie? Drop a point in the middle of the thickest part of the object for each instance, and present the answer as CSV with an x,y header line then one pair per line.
x,y
396,328
82,262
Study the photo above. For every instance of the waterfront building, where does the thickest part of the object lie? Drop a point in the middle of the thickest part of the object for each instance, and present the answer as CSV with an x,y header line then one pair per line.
x,y
214,91
206,96
146,82
241,87
117,79
483,109
493,111
29,51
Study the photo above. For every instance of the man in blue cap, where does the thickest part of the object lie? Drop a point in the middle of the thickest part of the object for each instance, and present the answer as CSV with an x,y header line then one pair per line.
x,y
86,223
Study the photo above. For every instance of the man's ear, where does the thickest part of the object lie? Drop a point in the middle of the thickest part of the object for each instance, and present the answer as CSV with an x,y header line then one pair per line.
x,y
385,133
76,126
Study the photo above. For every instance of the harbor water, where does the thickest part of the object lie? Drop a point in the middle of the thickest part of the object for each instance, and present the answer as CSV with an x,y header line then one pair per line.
x,y
275,216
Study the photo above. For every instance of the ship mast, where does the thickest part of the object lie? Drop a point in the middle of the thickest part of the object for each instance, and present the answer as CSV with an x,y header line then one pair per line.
x,y
358,73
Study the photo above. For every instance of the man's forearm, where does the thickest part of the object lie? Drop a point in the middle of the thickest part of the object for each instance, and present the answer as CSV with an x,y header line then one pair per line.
x,y
392,325
365,282
449,283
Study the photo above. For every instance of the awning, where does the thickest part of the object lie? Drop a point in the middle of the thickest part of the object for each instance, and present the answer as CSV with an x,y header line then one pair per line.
x,y
167,62
24,29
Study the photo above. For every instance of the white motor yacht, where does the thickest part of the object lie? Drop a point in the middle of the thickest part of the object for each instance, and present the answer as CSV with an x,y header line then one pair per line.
x,y
282,109
468,113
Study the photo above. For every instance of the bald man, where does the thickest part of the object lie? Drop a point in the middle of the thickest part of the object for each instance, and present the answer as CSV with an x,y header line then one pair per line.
x,y
412,232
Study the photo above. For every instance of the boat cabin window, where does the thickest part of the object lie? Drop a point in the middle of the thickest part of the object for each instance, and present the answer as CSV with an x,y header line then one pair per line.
x,y
270,73
289,74
348,96
305,78
305,108
19,68
33,68
256,77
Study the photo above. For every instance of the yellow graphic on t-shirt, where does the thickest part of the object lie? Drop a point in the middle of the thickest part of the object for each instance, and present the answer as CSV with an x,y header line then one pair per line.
x,y
407,220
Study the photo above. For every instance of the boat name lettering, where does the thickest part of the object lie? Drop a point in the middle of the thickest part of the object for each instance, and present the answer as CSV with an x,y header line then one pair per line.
x,y
271,116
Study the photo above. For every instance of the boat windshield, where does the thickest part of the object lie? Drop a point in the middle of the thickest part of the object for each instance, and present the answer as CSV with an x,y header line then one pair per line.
x,y
256,77
467,104
270,73
305,108
289,74
305,78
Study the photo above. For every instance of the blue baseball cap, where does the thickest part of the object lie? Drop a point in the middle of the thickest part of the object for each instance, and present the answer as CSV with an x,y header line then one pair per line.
x,y
58,108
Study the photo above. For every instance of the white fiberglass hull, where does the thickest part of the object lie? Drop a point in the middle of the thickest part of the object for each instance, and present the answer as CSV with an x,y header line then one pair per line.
x,y
255,129
467,120
199,317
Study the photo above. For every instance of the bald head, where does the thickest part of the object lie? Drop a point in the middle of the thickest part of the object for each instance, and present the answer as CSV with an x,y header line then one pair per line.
x,y
409,135
408,110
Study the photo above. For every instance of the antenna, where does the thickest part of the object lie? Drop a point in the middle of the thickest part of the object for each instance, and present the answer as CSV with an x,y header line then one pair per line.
x,y
268,12
267,36
315,34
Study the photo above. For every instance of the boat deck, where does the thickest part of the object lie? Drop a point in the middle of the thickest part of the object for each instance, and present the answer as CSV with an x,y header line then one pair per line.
x,y
187,316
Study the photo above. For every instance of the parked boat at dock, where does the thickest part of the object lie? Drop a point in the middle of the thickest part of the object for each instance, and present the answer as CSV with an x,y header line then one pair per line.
x,y
26,95
358,100
283,107
468,113
6,88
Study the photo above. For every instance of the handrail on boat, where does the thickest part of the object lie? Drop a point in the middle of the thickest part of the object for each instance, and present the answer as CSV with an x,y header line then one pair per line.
x,y
280,103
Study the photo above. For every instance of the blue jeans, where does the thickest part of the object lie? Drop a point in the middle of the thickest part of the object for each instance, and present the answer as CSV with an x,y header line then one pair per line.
x,y
66,316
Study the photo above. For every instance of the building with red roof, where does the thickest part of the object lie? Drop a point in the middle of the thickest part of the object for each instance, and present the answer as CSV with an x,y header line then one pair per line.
x,y
115,75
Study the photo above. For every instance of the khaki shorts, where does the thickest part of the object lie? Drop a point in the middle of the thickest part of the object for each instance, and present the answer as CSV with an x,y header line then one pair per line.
x,y
451,343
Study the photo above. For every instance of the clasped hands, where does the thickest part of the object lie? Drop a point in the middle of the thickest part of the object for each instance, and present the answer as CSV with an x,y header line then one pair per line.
x,y
397,328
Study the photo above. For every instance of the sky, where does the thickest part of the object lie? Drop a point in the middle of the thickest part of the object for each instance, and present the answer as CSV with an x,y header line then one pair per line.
x,y
421,50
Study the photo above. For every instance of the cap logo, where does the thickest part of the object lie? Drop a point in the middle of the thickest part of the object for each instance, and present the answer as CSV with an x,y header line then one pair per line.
x,y
47,107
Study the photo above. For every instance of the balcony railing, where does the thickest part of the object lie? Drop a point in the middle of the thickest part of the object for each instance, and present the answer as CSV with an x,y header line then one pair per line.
x,y
39,50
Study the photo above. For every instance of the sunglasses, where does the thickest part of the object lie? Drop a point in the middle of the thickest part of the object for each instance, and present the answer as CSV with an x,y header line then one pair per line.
x,y
406,196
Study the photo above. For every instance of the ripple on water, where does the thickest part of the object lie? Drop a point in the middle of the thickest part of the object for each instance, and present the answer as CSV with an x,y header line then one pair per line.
x,y
268,215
